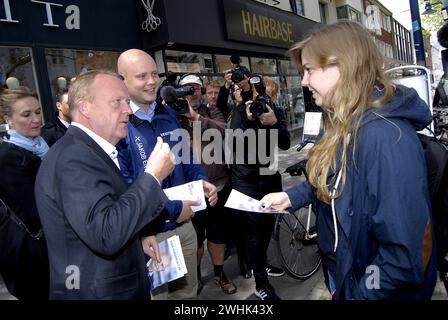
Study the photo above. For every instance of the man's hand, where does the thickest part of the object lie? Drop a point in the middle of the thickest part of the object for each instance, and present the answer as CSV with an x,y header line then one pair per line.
x,y
268,118
161,161
276,200
210,192
151,247
186,213
228,78
192,115
249,114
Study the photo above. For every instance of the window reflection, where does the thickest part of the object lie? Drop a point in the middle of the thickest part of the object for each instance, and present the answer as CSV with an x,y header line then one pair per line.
x,y
181,61
17,64
66,64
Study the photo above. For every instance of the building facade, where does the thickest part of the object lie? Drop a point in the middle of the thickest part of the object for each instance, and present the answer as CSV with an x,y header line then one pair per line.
x,y
45,44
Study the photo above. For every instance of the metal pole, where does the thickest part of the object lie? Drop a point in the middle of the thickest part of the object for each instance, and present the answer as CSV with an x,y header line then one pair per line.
x,y
419,46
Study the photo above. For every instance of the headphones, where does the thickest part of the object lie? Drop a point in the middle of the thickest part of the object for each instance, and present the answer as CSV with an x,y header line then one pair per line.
x,y
192,78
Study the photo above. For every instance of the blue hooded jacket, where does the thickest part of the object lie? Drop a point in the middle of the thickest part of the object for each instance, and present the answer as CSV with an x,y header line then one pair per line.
x,y
135,149
384,213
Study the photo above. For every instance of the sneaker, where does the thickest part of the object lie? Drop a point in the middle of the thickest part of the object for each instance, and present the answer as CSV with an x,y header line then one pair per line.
x,y
274,271
227,286
267,293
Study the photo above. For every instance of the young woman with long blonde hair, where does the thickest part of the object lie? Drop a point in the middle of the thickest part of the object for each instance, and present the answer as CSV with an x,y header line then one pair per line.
x,y
367,172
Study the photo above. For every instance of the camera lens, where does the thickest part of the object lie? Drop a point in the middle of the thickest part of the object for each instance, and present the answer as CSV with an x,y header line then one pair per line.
x,y
237,76
257,108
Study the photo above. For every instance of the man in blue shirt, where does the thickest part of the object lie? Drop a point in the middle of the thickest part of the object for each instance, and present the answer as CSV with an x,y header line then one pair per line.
x,y
150,120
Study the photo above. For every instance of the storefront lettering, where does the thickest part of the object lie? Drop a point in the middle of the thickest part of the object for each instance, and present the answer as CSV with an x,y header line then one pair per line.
x,y
8,12
71,22
264,27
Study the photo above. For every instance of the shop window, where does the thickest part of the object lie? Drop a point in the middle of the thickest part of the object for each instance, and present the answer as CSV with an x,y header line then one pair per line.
x,y
323,8
349,13
65,64
263,65
182,61
16,62
300,9
222,62
287,68
291,97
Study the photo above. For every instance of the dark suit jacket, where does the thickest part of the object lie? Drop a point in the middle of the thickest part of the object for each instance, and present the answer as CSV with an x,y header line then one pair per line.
x,y
53,131
91,220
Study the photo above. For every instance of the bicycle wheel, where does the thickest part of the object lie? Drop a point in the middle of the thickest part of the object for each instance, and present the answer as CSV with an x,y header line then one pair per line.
x,y
297,252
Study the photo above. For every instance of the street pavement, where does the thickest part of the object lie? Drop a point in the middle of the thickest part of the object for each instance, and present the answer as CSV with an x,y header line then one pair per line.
x,y
286,287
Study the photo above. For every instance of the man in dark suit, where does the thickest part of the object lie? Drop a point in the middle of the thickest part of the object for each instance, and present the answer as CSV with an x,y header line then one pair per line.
x,y
91,218
53,131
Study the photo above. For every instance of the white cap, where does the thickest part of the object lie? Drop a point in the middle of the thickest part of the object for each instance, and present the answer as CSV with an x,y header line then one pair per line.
x,y
12,83
191,78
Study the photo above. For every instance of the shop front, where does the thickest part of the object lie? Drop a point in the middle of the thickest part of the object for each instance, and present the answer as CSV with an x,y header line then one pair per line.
x,y
199,36
43,44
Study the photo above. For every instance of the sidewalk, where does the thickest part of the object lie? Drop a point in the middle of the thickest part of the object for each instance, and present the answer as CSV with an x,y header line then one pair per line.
x,y
286,287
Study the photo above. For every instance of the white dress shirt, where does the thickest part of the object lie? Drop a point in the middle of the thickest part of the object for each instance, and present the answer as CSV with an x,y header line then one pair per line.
x,y
103,143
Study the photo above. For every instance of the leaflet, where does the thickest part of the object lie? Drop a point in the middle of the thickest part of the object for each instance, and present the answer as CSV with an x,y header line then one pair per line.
x,y
240,201
188,191
172,265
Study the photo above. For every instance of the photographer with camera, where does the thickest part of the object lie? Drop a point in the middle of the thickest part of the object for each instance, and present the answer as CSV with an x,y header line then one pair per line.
x,y
259,114
211,224
151,119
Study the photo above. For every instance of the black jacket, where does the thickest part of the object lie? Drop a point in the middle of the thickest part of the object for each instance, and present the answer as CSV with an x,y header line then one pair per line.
x,y
23,260
53,131
246,175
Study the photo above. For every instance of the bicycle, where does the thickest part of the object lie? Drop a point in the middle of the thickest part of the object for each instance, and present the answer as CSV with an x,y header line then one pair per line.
x,y
296,236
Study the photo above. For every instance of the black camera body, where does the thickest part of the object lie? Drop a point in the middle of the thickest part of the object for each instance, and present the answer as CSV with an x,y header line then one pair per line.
x,y
238,71
174,95
258,106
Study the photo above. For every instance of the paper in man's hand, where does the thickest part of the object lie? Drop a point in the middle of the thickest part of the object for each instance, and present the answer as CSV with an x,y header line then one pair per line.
x,y
189,191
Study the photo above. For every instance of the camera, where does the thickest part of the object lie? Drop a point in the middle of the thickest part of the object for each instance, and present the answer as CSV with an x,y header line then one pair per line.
x,y
238,71
174,95
258,106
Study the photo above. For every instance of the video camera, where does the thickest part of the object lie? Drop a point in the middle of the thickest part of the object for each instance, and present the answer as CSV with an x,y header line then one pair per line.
x,y
238,71
258,106
174,95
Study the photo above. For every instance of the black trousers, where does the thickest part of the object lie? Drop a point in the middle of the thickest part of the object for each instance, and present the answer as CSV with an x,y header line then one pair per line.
x,y
256,228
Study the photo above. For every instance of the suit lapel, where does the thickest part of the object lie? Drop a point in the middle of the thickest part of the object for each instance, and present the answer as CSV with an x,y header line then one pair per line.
x,y
86,139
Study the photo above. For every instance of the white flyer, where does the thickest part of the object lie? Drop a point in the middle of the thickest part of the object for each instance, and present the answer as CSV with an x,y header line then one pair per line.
x,y
312,124
172,265
240,201
189,191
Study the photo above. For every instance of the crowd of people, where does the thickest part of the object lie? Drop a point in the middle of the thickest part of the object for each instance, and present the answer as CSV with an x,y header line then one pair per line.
x,y
82,201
